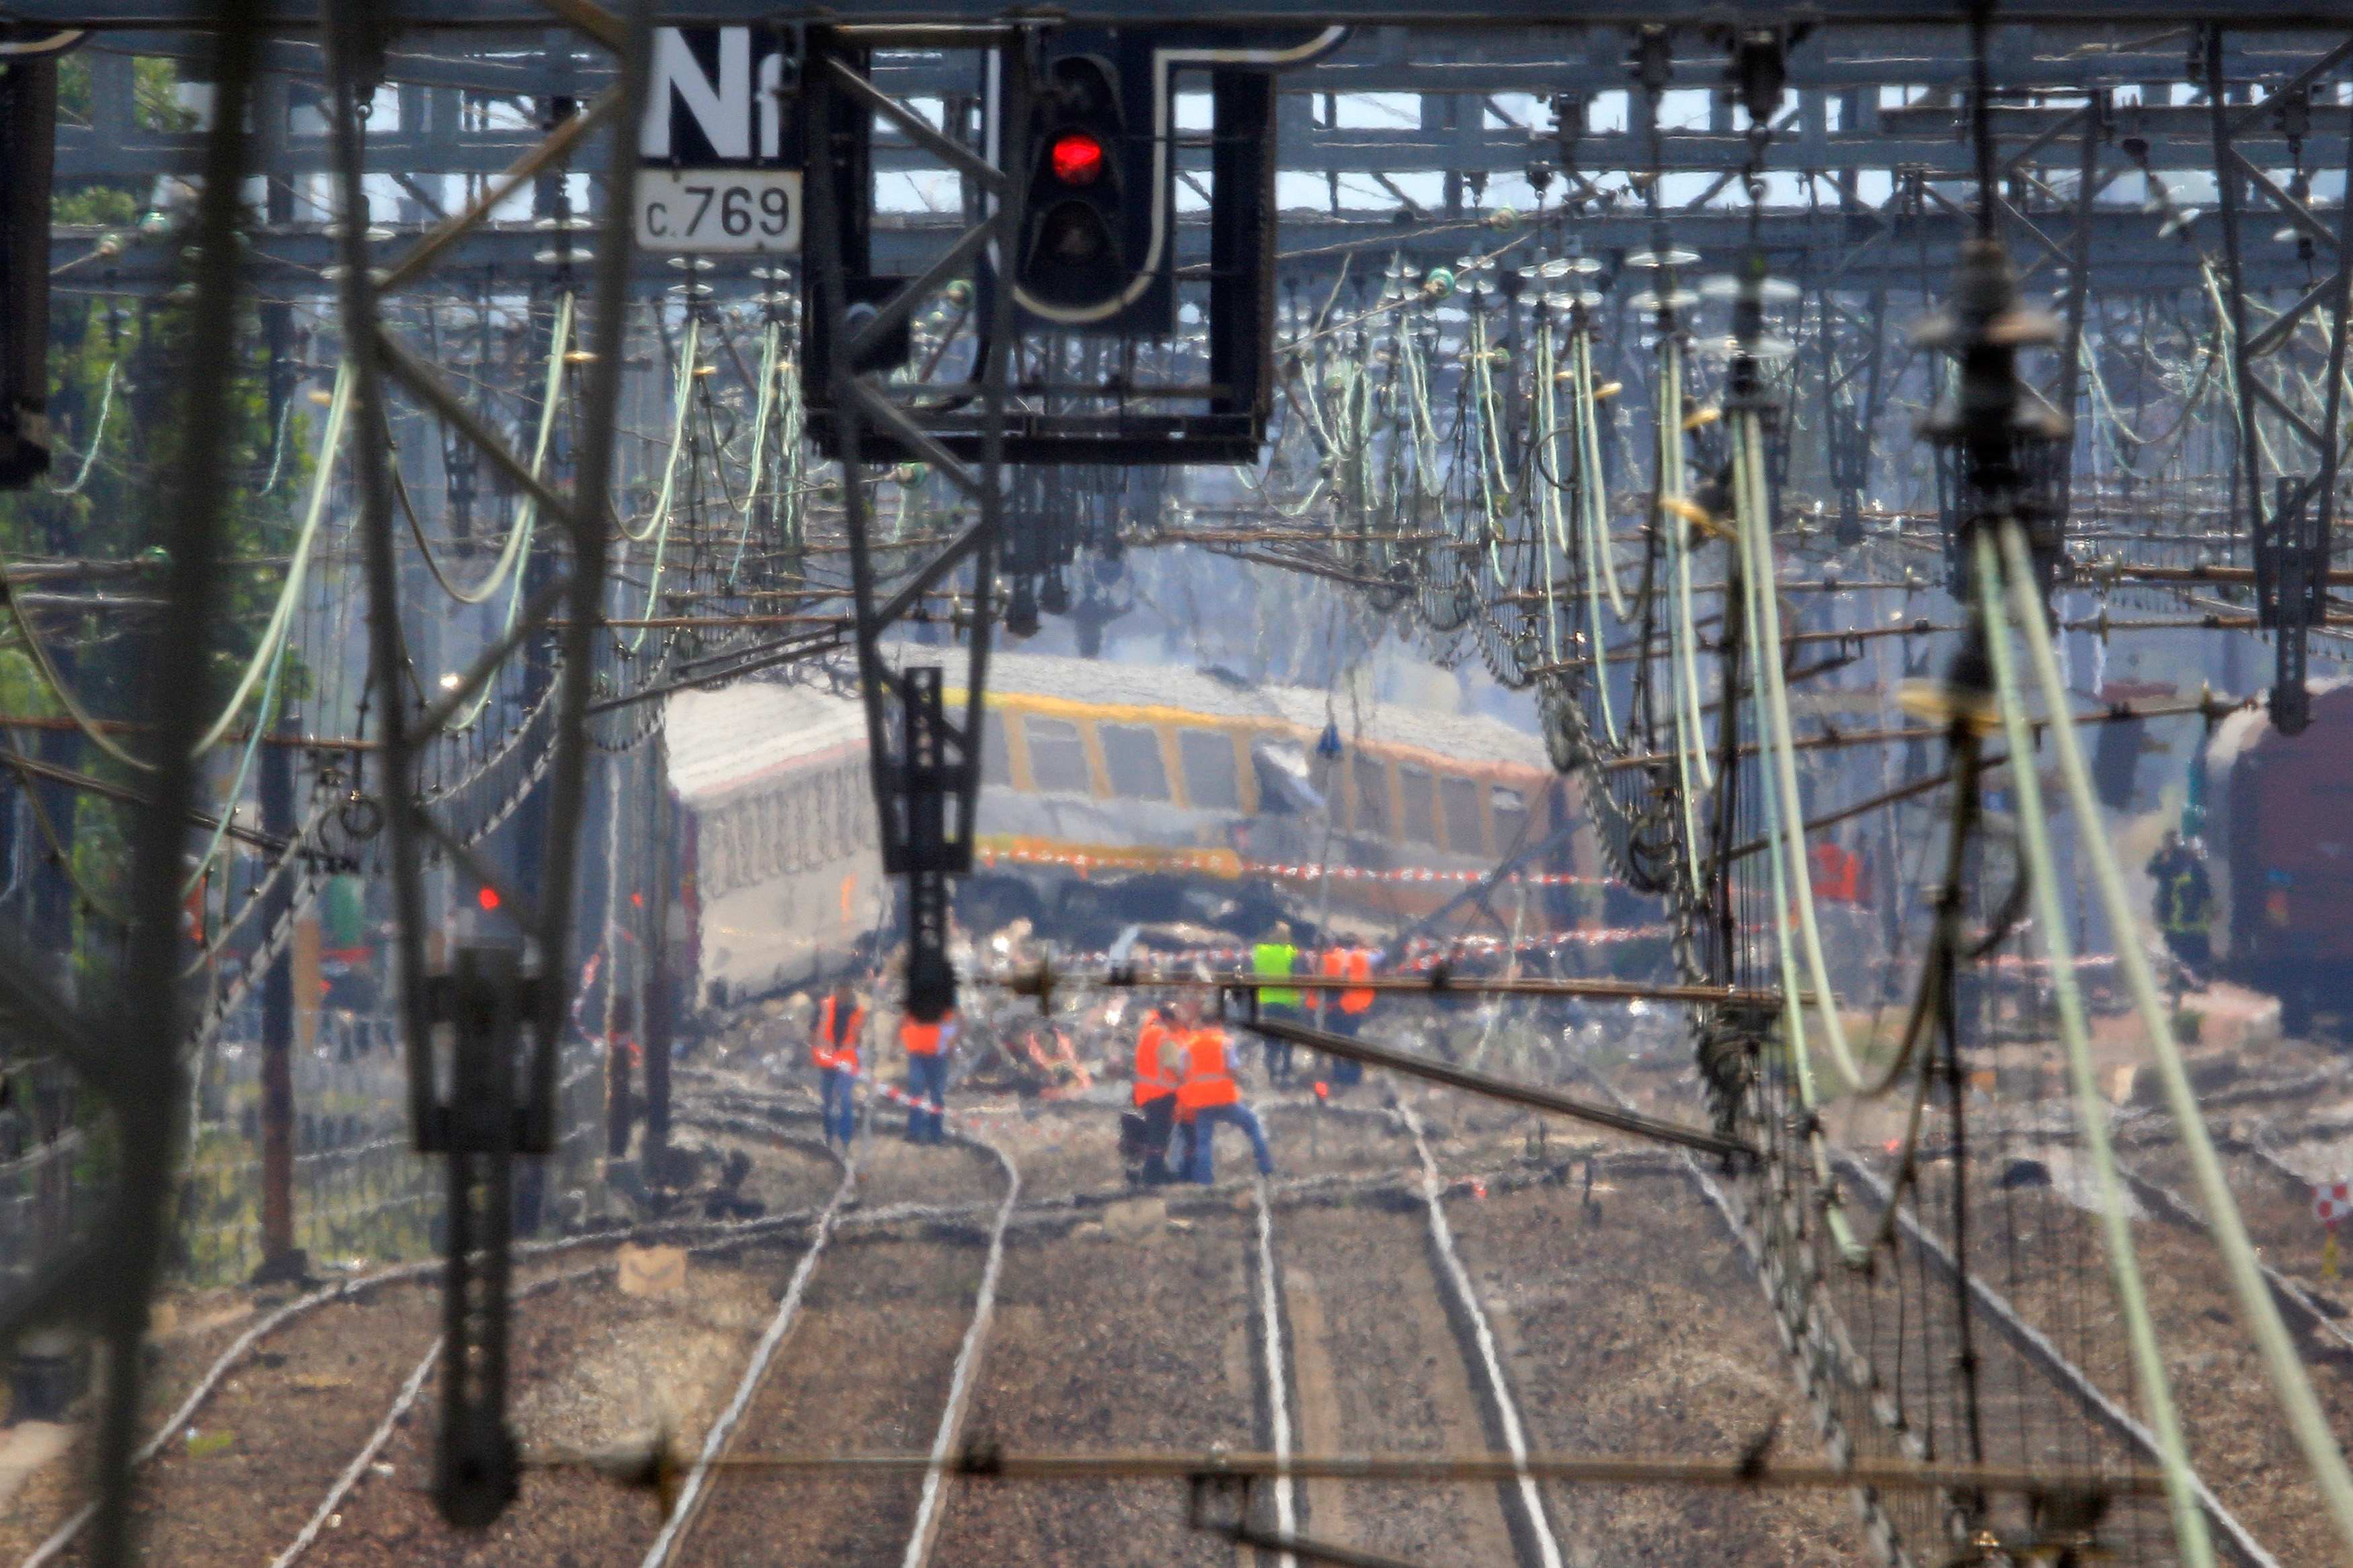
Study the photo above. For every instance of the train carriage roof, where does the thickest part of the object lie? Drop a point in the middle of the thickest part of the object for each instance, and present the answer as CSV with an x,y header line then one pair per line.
x,y
726,742
1468,737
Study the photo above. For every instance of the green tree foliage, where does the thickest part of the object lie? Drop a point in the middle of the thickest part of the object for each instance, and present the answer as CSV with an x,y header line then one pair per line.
x,y
155,105
106,500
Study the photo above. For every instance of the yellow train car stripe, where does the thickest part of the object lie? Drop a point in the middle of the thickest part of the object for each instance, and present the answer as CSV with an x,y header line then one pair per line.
x,y
1080,711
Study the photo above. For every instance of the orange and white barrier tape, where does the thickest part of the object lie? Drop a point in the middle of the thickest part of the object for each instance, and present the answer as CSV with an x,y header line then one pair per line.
x,y
1225,863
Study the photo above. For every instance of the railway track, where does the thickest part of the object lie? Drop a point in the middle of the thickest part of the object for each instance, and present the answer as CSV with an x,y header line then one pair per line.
x,y
2260,1497
288,1410
1231,1325
293,1394
281,1378
2024,1362
2039,1283
1154,1320
863,1319
2303,1299
2231,1429
2039,1321
1377,1351
1624,1295
872,1343
593,1369
569,1514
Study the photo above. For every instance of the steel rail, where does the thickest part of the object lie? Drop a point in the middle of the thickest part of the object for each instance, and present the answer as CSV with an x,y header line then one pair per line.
x,y
720,1235
1532,1096
1275,1360
1464,1299
689,1487
1044,981
2295,1298
694,1489
987,1461
930,1506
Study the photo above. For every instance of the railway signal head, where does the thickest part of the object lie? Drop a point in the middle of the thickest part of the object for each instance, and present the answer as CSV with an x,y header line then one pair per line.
x,y
1076,264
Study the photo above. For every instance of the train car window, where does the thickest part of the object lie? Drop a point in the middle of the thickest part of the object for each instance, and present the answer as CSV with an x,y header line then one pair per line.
x,y
1460,799
1132,757
1418,797
1058,757
1212,783
995,759
1510,809
1372,777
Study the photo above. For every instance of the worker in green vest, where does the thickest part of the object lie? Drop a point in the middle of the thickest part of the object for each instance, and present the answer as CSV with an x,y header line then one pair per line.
x,y
1277,956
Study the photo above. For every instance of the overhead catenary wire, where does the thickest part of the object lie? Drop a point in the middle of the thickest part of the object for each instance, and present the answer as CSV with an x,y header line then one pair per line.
x,y
517,544
1763,622
274,631
2307,1422
2153,1383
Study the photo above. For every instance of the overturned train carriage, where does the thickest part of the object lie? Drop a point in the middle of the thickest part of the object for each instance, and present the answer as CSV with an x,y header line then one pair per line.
x,y
1111,794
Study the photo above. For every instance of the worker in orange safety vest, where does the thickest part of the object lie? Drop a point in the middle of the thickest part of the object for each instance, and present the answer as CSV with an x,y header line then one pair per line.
x,y
1835,873
1209,1091
1154,1096
1344,1011
1184,1016
833,1051
927,1046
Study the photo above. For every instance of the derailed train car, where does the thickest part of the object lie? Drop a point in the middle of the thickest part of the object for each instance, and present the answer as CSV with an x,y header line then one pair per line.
x,y
1111,794
1117,793
773,784
2279,833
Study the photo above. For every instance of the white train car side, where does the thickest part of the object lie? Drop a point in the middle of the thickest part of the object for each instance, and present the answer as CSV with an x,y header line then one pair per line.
x,y
787,873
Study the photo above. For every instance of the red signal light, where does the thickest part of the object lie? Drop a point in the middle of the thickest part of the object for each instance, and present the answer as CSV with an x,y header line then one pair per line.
x,y
1076,158
487,898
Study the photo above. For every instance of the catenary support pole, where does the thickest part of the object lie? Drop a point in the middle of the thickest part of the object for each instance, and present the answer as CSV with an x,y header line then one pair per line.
x,y
661,878
279,1259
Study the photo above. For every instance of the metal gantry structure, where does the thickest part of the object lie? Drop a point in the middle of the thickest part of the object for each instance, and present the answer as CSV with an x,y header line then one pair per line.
x,y
1882,141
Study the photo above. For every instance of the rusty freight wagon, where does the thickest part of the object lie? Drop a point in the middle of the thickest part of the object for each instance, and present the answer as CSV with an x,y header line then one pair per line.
x,y
2279,833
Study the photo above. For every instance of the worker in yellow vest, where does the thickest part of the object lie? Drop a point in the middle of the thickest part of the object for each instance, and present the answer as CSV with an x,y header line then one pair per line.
x,y
927,1046
833,1051
1209,1092
1273,958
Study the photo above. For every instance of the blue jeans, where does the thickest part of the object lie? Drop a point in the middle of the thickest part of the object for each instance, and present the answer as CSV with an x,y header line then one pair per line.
x,y
1205,1129
927,1080
841,1105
